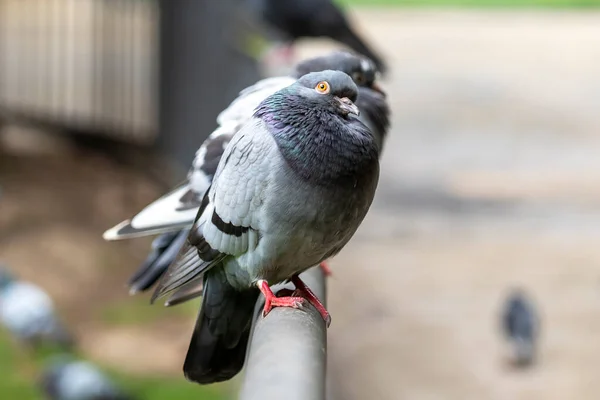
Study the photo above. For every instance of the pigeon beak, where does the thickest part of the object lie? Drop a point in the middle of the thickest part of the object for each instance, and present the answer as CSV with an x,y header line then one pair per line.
x,y
347,106
378,89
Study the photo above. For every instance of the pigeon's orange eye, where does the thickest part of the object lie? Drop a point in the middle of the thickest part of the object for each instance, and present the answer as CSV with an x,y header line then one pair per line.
x,y
322,87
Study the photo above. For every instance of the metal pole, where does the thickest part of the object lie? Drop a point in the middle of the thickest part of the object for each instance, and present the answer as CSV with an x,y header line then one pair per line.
x,y
200,72
288,351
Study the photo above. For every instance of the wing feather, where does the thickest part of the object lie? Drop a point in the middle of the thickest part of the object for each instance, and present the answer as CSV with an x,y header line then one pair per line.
x,y
242,108
227,222
176,210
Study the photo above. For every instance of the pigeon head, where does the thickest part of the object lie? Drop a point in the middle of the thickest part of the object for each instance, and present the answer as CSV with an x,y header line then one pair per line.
x,y
315,125
362,70
332,91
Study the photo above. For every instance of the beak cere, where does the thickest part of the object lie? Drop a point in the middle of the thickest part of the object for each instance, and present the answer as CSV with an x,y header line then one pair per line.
x,y
347,106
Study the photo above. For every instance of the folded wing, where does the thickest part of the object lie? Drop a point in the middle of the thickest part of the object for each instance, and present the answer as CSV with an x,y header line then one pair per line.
x,y
227,224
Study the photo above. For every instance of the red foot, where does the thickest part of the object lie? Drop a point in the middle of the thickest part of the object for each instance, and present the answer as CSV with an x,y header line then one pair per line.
x,y
325,268
308,294
272,301
296,300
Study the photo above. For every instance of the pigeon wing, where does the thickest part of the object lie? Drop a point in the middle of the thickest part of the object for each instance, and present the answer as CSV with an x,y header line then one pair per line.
x,y
242,108
177,209
228,220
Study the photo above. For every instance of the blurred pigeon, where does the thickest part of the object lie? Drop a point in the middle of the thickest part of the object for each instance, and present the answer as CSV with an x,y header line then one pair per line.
x,y
521,326
28,313
180,205
67,379
293,19
289,192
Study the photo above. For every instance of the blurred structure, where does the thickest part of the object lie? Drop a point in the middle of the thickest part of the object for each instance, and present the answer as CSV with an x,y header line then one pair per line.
x,y
203,67
89,66
136,71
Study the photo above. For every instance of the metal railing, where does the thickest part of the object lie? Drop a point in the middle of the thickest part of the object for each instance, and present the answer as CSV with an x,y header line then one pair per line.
x,y
287,357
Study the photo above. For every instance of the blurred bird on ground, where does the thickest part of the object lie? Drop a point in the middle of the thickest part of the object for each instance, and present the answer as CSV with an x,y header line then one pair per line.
x,y
64,378
520,324
28,313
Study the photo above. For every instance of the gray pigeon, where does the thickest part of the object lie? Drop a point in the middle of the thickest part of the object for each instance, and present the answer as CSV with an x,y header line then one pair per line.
x,y
177,209
67,379
521,326
28,313
290,191
181,205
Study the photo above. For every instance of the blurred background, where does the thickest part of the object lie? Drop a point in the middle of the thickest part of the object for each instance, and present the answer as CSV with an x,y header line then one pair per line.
x,y
490,180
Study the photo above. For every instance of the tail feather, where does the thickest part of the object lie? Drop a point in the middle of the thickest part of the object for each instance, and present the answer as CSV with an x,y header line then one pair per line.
x,y
126,230
165,250
167,214
187,292
218,346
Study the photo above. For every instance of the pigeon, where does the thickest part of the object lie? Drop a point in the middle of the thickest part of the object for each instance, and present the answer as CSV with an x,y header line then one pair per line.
x,y
68,379
28,313
290,191
184,201
521,327
293,19
176,210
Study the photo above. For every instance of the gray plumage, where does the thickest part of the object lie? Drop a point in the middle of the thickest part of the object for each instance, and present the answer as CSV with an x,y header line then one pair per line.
x,y
28,313
521,327
185,200
291,189
66,379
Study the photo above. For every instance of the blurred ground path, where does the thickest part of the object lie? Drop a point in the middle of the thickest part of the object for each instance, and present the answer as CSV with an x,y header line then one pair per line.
x,y
491,177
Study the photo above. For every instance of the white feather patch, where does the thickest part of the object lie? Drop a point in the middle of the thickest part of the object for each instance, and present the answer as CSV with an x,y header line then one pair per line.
x,y
164,212
242,108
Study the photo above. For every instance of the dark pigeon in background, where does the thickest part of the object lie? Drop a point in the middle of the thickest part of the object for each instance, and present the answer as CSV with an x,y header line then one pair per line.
x,y
295,19
181,205
67,379
521,327
28,313
290,191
